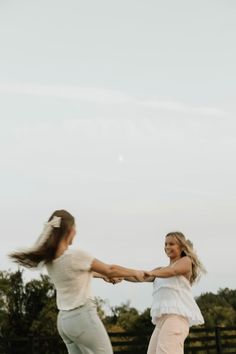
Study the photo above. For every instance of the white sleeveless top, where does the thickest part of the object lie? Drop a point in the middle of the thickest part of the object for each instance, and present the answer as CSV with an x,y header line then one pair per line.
x,y
173,295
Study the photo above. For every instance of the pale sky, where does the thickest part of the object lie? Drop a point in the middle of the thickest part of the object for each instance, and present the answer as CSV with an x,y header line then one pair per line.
x,y
123,113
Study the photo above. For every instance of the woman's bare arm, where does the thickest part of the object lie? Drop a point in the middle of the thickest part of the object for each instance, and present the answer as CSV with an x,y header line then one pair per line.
x,y
115,271
182,267
146,279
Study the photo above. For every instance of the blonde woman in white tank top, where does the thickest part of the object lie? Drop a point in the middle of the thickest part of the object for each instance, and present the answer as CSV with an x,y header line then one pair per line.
x,y
174,309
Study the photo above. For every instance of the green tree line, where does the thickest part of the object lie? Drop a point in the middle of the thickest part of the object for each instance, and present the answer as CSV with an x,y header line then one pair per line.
x,y
30,308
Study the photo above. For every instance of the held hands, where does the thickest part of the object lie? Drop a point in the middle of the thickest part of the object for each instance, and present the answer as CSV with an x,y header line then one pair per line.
x,y
151,274
113,280
148,274
139,277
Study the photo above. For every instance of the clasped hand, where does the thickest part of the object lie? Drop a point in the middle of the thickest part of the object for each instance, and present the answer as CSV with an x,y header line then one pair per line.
x,y
139,277
113,280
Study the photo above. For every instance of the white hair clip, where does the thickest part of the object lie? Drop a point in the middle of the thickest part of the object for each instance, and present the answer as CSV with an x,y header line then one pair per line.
x,y
54,222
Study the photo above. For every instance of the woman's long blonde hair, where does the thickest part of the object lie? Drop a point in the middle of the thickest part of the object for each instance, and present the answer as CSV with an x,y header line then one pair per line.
x,y
187,250
45,251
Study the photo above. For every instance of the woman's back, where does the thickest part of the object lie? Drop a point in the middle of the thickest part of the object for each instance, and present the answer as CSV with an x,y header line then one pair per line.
x,y
71,277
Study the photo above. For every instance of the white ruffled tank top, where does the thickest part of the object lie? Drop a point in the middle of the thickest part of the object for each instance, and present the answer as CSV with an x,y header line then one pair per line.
x,y
173,295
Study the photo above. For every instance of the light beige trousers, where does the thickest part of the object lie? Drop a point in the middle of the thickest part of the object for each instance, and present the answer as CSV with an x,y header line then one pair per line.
x,y
169,335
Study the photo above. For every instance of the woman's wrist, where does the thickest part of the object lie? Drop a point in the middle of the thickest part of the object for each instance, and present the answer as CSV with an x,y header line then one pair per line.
x,y
139,275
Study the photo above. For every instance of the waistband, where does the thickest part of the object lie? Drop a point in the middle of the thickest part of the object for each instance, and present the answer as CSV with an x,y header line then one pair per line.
x,y
88,303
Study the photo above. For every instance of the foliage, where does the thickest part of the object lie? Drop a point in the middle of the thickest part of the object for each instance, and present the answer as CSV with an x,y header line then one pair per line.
x,y
26,308
30,308
218,309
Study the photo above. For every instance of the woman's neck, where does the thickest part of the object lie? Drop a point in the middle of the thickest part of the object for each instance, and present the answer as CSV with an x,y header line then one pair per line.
x,y
61,249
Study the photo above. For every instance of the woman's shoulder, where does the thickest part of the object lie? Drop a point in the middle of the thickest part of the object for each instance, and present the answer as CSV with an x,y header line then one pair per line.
x,y
184,262
77,251
70,252
184,259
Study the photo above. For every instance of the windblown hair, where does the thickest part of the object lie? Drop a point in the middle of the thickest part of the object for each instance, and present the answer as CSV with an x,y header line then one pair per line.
x,y
187,250
46,251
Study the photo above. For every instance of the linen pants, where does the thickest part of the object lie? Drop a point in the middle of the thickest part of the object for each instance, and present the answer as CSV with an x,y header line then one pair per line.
x,y
169,335
83,332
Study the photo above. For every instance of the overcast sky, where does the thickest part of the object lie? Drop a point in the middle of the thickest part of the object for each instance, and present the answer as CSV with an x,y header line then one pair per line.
x,y
123,113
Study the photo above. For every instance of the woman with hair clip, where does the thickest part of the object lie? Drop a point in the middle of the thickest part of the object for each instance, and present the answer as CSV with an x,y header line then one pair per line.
x,y
174,309
71,271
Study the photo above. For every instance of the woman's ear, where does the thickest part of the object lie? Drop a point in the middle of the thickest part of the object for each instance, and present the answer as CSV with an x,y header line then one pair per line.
x,y
71,235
